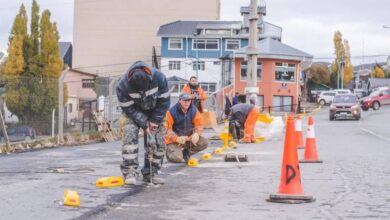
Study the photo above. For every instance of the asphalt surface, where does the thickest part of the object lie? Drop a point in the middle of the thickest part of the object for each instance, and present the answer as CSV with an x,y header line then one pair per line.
x,y
352,183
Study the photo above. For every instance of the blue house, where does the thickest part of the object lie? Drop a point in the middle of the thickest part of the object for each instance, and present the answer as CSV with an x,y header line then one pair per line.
x,y
206,48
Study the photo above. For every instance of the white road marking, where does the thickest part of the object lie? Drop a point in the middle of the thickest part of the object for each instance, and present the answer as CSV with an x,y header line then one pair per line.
x,y
376,135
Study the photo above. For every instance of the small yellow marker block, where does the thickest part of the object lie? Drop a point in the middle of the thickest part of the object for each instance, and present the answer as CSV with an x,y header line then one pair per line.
x,y
218,150
71,198
110,181
193,162
206,156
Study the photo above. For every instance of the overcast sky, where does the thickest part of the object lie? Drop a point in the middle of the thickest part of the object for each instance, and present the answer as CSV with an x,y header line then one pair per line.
x,y
307,25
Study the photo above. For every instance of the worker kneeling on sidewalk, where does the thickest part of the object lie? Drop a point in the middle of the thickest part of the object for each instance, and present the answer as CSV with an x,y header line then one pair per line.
x,y
242,119
184,128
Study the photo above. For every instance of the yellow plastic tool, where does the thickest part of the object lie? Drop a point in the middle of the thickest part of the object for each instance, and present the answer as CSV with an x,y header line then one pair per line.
x,y
193,162
259,139
206,156
223,135
71,198
266,118
110,181
218,150
233,144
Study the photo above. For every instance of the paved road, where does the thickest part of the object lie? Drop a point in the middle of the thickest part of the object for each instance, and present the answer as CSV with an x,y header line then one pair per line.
x,y
353,182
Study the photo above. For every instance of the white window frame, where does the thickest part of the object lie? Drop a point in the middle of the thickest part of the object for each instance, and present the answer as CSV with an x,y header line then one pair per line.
x,y
286,66
208,84
172,39
227,42
200,64
261,69
205,44
175,64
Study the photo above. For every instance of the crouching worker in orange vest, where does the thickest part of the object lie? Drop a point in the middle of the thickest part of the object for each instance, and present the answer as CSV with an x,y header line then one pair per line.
x,y
243,117
184,128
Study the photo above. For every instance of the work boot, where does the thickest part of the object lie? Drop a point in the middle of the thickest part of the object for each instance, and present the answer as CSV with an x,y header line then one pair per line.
x,y
155,179
130,180
186,155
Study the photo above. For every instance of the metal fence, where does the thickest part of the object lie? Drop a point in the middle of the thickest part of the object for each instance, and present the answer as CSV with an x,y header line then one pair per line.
x,y
30,111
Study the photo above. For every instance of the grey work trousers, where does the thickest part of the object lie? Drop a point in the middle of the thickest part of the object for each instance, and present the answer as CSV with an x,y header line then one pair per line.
x,y
155,142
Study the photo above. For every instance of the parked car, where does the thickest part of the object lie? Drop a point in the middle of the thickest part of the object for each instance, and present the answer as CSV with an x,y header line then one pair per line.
x,y
326,97
20,133
379,88
376,99
342,91
344,106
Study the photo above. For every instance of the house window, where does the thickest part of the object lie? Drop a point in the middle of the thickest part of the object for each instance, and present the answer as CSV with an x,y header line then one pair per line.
x,y
285,72
88,83
208,44
175,44
178,87
70,107
200,65
244,70
281,103
208,87
232,44
174,65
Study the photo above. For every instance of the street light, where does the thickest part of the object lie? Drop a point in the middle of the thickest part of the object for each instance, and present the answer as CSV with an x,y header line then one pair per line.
x,y
197,55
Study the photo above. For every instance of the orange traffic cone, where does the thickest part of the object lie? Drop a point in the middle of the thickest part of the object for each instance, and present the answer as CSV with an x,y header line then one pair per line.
x,y
298,132
290,188
310,155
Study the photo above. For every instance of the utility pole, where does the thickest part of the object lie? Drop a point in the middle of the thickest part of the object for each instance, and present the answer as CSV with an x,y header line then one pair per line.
x,y
60,137
342,74
197,56
340,71
4,130
388,67
251,88
110,101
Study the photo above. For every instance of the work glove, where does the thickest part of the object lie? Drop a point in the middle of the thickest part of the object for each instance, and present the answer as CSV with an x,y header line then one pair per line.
x,y
181,139
195,138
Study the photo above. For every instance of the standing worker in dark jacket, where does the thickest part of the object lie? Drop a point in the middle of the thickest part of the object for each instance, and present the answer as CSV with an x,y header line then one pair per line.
x,y
243,117
144,98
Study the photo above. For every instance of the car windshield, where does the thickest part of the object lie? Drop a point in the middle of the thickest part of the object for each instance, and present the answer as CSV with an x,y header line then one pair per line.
x,y
344,99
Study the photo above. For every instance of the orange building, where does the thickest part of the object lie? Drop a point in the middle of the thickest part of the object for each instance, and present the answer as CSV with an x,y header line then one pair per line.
x,y
278,74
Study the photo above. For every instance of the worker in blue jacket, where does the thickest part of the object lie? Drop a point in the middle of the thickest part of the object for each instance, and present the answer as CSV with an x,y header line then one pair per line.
x,y
144,97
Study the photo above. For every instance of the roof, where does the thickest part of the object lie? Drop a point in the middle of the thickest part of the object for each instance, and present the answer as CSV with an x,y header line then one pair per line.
x,y
176,79
270,48
64,47
188,28
83,73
